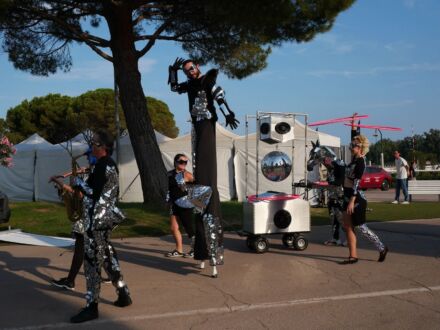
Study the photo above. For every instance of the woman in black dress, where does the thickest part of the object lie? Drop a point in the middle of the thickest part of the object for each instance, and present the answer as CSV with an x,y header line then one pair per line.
x,y
355,203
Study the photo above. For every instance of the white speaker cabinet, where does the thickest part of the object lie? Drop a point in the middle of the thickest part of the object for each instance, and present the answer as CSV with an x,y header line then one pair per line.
x,y
276,128
276,216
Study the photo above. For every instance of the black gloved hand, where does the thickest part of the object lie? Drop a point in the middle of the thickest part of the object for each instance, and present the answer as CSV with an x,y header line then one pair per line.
x,y
172,70
231,121
177,65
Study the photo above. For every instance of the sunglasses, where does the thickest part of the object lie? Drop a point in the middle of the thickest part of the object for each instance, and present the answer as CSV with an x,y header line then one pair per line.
x,y
353,145
96,144
181,161
193,67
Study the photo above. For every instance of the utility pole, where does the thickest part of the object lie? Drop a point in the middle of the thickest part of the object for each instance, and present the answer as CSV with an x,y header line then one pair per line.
x,y
382,163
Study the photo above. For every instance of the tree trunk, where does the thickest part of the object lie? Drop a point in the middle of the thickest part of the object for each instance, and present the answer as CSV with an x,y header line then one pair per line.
x,y
146,150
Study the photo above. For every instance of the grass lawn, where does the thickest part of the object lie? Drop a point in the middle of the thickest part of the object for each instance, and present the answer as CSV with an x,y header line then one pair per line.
x,y
51,219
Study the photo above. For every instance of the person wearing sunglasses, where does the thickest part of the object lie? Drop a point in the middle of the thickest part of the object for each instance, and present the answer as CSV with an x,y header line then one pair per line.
x,y
355,203
184,196
202,91
101,216
177,213
68,282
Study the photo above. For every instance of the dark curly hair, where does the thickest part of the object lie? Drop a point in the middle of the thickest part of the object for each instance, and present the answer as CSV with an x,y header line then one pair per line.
x,y
107,140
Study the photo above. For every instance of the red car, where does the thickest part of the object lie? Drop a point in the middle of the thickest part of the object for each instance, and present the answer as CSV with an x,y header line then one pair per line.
x,y
376,177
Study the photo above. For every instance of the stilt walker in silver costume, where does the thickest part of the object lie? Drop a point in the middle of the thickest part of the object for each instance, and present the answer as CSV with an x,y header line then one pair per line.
x,y
100,216
202,91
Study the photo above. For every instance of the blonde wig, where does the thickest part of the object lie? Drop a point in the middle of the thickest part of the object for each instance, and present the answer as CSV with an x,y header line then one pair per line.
x,y
363,141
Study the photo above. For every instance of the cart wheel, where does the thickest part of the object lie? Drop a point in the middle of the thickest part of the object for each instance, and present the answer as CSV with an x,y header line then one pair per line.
x,y
288,240
250,243
300,243
261,244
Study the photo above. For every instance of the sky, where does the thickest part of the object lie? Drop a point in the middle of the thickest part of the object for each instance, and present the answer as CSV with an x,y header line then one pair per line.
x,y
381,58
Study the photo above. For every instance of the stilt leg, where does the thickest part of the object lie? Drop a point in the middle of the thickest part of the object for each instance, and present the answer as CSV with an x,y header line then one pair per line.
x,y
214,272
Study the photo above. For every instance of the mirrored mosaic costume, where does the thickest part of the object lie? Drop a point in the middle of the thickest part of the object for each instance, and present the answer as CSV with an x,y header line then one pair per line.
x,y
101,215
335,178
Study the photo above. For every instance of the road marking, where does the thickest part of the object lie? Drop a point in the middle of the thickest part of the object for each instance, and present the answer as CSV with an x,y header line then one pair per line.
x,y
235,308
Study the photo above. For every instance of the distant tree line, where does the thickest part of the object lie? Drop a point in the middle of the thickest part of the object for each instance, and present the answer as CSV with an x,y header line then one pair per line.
x,y
58,118
422,148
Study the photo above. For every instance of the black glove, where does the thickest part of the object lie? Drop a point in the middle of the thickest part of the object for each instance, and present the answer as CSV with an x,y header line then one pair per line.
x,y
231,121
177,65
172,71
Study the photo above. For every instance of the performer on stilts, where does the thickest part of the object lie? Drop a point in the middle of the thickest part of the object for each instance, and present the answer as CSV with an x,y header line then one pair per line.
x,y
202,91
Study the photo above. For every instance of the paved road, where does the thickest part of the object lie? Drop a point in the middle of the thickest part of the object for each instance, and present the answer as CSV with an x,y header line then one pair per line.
x,y
282,289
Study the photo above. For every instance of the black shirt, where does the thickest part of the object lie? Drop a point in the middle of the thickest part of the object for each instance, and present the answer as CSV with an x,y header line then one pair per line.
x,y
173,188
193,87
97,178
353,175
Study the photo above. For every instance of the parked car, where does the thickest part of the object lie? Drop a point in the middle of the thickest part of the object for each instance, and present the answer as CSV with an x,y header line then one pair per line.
x,y
376,178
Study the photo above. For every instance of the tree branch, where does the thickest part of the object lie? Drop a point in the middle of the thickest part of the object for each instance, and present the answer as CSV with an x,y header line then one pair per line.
x,y
77,34
152,40
176,37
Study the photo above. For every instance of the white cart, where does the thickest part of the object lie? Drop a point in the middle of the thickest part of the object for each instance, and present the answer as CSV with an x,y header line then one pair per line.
x,y
272,212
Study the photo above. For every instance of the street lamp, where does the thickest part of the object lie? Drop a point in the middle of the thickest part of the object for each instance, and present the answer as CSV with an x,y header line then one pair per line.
x,y
377,130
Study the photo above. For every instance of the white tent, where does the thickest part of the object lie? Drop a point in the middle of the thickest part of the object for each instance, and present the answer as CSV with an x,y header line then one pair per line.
x,y
37,160
52,160
225,165
55,159
264,148
18,181
130,189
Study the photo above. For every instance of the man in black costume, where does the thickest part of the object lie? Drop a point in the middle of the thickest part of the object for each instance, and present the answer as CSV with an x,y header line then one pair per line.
x,y
202,91
100,215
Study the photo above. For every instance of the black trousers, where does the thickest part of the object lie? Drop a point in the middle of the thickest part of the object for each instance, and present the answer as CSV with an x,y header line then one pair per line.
x,y
205,174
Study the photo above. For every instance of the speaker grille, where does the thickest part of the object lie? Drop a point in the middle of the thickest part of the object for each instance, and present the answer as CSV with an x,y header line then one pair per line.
x,y
264,128
282,219
282,128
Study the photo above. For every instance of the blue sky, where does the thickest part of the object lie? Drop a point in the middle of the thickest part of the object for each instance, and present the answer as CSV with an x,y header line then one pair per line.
x,y
382,58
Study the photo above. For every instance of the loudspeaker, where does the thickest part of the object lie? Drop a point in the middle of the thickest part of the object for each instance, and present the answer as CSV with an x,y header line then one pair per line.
x,y
271,217
276,129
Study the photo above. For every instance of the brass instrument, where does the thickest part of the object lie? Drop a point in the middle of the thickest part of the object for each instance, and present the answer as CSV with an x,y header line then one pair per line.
x,y
72,197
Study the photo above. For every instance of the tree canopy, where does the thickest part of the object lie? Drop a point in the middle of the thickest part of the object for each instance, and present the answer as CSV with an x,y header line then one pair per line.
x,y
235,35
421,147
58,117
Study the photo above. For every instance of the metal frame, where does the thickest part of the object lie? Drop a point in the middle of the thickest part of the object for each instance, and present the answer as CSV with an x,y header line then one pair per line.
x,y
257,161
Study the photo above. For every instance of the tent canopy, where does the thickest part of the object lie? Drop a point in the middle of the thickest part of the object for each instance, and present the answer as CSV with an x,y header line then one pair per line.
x,y
36,160
18,181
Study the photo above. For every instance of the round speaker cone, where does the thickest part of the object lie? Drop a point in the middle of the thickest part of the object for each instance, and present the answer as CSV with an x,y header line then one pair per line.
x,y
282,128
282,219
264,128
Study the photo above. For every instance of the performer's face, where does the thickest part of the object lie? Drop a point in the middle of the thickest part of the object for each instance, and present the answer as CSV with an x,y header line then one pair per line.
x,y
181,163
191,70
355,148
98,148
